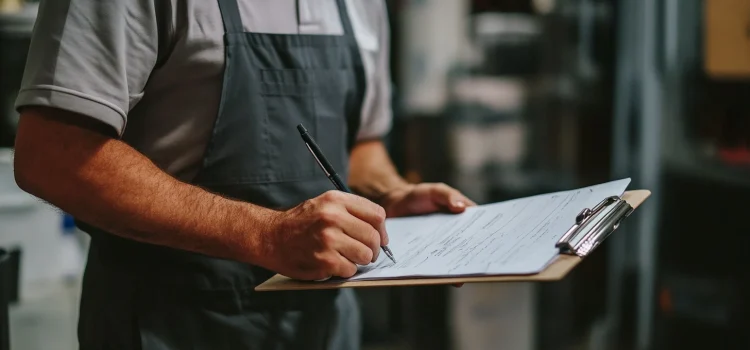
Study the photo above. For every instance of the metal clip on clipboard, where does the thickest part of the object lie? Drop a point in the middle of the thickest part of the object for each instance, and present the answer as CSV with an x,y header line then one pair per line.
x,y
593,226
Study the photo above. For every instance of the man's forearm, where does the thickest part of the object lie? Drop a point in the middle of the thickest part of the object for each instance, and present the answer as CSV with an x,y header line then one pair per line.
x,y
372,173
108,184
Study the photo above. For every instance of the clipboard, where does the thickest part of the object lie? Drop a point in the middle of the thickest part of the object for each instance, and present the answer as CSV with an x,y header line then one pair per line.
x,y
589,229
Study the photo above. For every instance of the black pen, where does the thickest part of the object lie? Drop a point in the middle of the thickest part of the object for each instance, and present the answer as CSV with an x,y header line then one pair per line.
x,y
330,172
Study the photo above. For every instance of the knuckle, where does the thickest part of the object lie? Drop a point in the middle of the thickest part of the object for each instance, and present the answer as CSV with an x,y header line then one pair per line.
x,y
329,264
326,196
380,213
317,261
327,238
331,195
328,215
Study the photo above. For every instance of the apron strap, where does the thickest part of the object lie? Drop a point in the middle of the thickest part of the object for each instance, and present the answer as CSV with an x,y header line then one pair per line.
x,y
230,14
354,118
345,22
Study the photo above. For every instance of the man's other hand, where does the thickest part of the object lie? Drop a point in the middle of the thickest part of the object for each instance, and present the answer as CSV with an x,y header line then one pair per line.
x,y
425,198
325,236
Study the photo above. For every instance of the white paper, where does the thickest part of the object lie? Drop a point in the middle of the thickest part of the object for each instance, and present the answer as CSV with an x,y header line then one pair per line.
x,y
512,237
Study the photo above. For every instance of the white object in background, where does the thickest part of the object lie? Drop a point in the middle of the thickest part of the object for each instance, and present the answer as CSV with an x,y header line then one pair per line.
x,y
499,94
30,224
434,38
493,316
492,26
476,145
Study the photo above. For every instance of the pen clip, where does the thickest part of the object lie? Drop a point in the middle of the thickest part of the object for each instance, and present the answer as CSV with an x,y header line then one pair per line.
x,y
317,160
593,226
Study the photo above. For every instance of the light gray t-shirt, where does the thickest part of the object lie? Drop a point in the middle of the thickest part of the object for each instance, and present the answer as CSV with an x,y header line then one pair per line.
x,y
152,69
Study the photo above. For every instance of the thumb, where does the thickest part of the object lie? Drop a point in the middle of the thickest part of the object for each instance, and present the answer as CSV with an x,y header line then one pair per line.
x,y
449,198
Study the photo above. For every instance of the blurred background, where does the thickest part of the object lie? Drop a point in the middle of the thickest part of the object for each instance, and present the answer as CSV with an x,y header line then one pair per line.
x,y
505,99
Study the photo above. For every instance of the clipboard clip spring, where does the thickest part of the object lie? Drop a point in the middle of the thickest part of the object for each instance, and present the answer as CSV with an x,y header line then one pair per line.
x,y
593,226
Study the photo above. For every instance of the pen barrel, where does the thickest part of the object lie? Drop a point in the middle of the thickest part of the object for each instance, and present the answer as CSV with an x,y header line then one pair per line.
x,y
317,152
339,183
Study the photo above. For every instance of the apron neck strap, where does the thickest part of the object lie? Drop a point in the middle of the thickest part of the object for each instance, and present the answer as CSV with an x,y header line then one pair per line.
x,y
230,14
345,22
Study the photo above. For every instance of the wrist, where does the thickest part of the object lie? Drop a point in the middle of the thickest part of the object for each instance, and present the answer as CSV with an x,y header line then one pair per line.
x,y
392,196
379,191
254,246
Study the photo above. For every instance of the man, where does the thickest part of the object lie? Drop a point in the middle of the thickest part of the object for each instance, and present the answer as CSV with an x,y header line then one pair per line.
x,y
209,190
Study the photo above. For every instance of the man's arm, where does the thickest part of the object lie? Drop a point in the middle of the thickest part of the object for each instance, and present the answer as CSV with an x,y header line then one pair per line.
x,y
67,160
71,162
372,173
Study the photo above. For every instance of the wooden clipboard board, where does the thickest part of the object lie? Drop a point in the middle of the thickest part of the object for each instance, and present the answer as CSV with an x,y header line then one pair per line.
x,y
556,270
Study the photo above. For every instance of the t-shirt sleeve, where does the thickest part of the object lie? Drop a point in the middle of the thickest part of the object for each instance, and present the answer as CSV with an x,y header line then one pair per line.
x,y
378,118
91,57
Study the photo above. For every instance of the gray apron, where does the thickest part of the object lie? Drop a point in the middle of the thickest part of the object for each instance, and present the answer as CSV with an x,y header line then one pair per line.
x,y
141,296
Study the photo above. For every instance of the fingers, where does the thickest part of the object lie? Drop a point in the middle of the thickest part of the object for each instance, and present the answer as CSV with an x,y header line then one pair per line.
x,y
358,250
363,234
363,209
334,262
359,206
343,267
370,213
450,198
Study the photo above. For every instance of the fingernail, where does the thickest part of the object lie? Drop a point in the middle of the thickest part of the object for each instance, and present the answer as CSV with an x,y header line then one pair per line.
x,y
460,204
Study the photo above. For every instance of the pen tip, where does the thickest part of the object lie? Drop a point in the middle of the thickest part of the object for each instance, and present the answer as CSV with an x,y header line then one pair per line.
x,y
301,129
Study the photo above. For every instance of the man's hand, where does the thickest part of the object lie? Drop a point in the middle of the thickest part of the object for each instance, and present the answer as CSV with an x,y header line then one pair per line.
x,y
424,198
326,236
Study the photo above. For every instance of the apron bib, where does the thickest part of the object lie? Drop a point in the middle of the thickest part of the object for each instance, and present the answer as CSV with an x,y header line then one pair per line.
x,y
140,296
